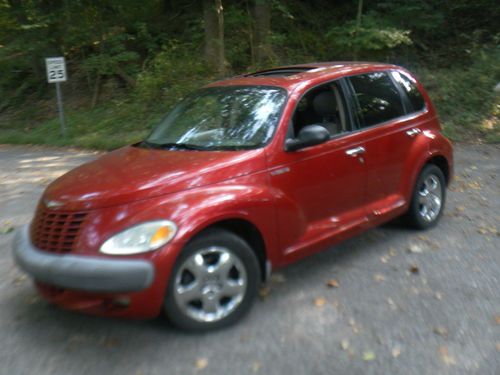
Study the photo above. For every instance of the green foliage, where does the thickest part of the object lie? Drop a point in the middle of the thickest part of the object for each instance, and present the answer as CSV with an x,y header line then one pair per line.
x,y
170,74
372,35
237,45
113,56
464,96
151,52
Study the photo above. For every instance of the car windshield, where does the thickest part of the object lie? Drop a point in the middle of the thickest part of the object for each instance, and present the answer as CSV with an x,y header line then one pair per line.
x,y
221,118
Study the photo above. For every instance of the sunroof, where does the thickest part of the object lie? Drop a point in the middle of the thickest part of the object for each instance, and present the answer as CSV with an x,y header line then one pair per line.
x,y
281,72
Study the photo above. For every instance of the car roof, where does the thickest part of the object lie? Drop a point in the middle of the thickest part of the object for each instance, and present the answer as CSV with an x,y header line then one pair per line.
x,y
291,76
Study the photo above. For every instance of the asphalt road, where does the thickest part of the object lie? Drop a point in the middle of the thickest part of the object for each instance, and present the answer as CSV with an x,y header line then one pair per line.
x,y
406,302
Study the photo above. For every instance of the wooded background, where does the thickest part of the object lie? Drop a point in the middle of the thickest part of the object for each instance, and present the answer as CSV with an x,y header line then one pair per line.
x,y
130,60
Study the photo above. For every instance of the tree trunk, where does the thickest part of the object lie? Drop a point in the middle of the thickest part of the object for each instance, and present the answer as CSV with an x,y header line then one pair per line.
x,y
97,87
263,48
213,17
358,26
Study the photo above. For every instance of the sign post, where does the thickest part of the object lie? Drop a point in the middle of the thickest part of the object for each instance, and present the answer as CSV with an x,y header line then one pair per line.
x,y
56,73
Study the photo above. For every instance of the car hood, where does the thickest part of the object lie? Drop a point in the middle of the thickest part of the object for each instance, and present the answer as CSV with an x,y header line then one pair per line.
x,y
132,173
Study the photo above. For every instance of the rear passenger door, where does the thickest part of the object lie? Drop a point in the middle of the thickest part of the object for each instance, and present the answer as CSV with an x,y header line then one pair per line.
x,y
384,118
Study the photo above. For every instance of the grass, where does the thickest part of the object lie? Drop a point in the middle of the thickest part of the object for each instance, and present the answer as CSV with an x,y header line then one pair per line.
x,y
106,127
463,95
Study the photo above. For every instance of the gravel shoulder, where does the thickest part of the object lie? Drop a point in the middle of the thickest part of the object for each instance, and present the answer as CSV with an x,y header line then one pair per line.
x,y
399,301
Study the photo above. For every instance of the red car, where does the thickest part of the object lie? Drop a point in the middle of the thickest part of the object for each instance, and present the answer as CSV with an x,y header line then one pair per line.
x,y
243,176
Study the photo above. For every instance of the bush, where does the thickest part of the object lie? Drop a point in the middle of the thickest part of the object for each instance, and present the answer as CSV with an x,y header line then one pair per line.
x,y
464,96
171,74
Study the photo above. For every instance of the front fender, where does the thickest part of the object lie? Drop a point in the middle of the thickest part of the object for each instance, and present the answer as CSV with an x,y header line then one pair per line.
x,y
247,198
205,207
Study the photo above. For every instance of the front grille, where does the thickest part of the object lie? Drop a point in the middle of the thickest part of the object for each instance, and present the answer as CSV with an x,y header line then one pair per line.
x,y
56,231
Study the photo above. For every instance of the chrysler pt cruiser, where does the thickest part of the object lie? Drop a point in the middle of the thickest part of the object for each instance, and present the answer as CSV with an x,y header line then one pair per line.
x,y
246,175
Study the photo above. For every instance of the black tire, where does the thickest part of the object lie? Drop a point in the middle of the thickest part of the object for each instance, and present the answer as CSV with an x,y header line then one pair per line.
x,y
213,238
414,216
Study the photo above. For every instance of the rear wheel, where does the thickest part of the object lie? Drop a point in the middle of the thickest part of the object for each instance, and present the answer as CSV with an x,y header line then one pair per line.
x,y
428,198
214,282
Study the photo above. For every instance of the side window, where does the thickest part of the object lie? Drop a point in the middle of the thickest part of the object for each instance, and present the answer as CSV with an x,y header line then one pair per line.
x,y
323,106
378,98
410,87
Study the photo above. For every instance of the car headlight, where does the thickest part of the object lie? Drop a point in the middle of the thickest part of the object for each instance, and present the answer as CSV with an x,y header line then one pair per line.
x,y
140,238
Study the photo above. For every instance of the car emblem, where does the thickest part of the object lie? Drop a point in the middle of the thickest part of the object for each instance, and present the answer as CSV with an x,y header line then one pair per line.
x,y
53,204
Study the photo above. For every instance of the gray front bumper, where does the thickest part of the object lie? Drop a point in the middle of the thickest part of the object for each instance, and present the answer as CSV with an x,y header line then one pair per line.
x,y
80,272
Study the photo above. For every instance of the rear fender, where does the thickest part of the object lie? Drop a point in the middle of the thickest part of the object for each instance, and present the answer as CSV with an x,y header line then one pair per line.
x,y
427,146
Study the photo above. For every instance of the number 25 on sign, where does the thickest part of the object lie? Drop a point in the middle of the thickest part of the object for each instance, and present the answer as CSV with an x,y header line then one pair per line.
x,y
56,73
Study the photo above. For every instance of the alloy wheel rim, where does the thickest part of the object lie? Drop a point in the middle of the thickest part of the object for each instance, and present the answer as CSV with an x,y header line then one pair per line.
x,y
430,197
210,284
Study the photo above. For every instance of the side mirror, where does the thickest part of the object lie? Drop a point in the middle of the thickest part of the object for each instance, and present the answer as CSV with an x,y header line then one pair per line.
x,y
309,135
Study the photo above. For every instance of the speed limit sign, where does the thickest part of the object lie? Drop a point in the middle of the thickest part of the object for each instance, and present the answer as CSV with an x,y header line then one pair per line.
x,y
56,73
56,69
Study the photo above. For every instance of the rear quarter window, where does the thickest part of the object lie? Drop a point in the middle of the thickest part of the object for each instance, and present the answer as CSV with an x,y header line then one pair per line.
x,y
409,86
378,98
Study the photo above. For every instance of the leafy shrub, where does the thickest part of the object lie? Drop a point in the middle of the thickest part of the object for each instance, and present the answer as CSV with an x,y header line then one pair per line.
x,y
170,74
464,95
372,35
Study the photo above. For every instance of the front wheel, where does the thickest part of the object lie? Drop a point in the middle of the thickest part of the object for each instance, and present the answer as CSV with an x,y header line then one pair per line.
x,y
428,198
213,283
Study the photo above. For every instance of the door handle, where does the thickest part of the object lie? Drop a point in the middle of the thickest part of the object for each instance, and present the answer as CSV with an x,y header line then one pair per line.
x,y
355,151
413,132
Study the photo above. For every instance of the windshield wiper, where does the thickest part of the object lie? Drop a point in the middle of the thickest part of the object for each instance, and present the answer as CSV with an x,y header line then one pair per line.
x,y
190,146
173,145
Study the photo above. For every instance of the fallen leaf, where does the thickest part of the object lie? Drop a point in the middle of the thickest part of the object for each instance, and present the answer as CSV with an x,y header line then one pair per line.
x,y
78,338
414,248
498,346
110,343
474,185
277,278
6,229
344,344
368,356
32,300
445,356
378,277
396,352
392,252
392,303
497,319
438,295
460,208
384,259
332,283
414,269
319,302
264,292
20,279
201,363
433,245
441,331
354,326
256,366
485,229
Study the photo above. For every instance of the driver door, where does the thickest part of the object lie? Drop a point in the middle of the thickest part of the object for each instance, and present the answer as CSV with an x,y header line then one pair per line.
x,y
323,185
